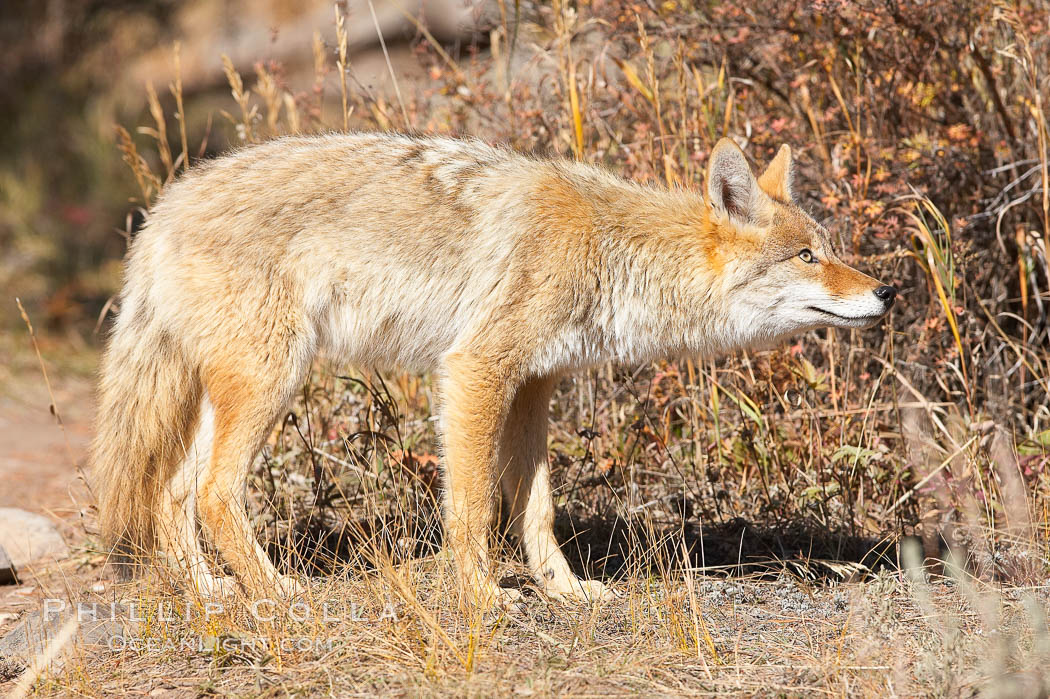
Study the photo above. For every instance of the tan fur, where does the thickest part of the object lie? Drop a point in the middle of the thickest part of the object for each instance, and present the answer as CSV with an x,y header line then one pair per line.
x,y
777,179
496,271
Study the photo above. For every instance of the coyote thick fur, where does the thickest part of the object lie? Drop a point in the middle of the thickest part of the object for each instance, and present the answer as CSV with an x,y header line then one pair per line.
x,y
496,271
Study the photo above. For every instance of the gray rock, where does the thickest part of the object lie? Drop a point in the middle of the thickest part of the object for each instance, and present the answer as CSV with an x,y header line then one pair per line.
x,y
29,537
99,625
8,575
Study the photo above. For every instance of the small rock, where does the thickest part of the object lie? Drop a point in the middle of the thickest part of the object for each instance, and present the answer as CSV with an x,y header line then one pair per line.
x,y
98,625
29,537
8,576
7,616
98,588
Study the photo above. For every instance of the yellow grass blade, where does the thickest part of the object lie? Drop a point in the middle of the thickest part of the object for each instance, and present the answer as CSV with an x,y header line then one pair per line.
x,y
635,80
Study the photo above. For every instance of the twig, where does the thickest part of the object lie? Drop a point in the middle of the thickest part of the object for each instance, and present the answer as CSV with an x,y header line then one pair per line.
x,y
434,43
928,476
43,370
389,65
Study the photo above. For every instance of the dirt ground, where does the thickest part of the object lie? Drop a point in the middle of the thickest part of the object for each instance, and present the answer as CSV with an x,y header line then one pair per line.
x,y
39,457
40,464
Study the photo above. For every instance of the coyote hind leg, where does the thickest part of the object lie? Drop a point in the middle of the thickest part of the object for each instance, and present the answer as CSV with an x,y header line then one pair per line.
x,y
177,533
246,407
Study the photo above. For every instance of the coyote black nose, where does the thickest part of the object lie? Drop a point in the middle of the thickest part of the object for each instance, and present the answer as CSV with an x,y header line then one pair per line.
x,y
886,294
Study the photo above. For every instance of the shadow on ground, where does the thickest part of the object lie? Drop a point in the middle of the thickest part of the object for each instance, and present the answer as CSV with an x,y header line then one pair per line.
x,y
611,548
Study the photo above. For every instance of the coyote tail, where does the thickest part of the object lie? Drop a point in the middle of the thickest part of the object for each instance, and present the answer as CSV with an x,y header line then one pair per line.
x,y
149,401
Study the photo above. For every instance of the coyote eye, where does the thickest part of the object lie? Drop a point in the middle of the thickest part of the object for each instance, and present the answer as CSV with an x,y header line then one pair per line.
x,y
806,255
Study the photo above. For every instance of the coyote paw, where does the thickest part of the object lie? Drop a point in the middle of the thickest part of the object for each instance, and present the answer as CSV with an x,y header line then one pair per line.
x,y
577,590
213,586
289,587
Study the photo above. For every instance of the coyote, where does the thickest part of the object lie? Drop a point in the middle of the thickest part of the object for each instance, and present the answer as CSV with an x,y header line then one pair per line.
x,y
499,272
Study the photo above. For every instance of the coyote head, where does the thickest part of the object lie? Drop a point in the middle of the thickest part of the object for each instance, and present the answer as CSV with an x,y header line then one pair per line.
x,y
786,277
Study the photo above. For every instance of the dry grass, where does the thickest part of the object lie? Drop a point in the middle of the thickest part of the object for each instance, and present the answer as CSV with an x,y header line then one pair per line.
x,y
859,513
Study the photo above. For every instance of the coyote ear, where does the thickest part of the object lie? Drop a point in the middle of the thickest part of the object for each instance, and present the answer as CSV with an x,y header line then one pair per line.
x,y
776,180
731,186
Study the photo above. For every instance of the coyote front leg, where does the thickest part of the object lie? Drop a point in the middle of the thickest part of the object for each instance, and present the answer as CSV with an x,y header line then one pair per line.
x,y
475,401
525,476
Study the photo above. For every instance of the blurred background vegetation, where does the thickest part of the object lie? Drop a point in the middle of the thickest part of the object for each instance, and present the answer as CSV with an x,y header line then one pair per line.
x,y
74,69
